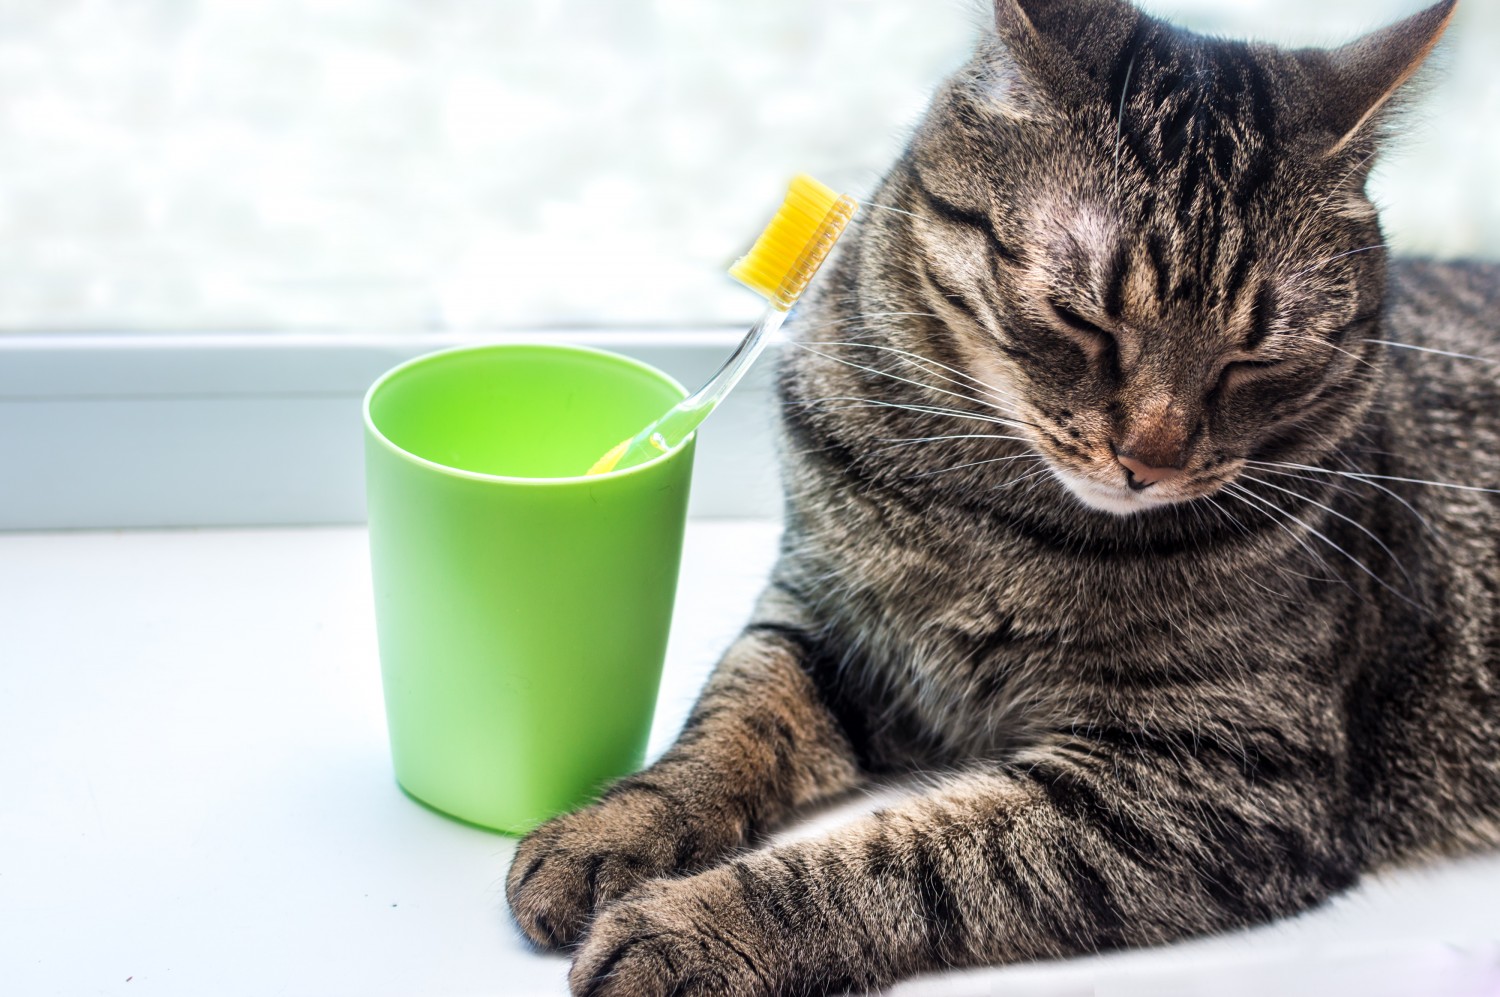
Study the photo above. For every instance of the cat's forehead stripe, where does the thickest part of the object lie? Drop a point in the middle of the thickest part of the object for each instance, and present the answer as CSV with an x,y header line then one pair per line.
x,y
1114,282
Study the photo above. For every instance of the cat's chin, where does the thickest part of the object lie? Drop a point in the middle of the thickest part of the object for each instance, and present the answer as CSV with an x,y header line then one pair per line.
x,y
1116,501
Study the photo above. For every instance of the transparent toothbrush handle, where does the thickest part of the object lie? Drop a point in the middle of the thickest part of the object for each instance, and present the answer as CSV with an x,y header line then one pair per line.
x,y
686,416
674,427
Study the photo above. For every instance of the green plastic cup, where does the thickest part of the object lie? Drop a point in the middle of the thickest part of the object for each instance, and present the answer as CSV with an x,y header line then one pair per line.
x,y
522,608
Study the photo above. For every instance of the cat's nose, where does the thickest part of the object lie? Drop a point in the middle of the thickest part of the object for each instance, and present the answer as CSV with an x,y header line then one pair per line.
x,y
1139,475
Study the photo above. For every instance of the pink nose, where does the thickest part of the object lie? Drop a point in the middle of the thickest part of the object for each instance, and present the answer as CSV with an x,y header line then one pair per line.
x,y
1140,475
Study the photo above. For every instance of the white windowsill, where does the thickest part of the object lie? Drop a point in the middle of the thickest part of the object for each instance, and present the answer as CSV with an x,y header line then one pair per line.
x,y
198,799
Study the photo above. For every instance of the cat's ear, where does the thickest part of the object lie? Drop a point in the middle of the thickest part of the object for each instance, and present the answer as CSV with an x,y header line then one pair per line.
x,y
1052,40
1352,85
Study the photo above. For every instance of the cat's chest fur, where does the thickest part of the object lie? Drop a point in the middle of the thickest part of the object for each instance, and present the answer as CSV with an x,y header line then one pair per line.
x,y
980,639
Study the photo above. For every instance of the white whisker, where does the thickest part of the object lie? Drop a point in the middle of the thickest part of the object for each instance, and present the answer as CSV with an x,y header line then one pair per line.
x,y
1324,537
1120,115
862,316
1245,529
894,377
976,463
1428,349
1333,192
1336,256
1311,551
1362,476
1323,342
1029,476
855,401
1353,522
910,440
1269,469
887,207
918,359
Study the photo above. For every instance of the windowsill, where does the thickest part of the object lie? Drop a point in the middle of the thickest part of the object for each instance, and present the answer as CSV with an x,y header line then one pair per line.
x,y
263,429
198,791
198,797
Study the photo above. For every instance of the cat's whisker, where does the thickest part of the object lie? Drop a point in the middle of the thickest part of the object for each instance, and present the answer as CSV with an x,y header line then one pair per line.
x,y
977,463
855,401
906,380
1337,450
1330,542
1316,341
1000,392
862,316
1213,504
1336,256
918,359
976,312
1334,191
914,356
1353,522
1335,485
1312,552
887,207
1031,476
957,436
1362,476
1270,469
897,443
924,363
892,376
1428,349
1120,116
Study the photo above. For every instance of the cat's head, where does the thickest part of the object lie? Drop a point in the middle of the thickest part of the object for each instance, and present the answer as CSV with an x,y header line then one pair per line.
x,y
1155,243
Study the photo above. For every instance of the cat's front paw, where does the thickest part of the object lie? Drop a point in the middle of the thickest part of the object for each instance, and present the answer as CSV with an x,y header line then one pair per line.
x,y
570,866
683,937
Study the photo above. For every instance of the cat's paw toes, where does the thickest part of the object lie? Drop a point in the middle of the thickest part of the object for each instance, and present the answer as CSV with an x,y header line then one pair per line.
x,y
567,868
683,938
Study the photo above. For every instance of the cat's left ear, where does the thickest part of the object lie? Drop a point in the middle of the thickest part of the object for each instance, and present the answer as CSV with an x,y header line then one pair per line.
x,y
1352,85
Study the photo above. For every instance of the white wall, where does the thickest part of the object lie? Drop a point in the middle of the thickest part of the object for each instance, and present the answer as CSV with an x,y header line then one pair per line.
x,y
369,165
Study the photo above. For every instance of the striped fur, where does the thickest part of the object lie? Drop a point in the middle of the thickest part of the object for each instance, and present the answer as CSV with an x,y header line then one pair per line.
x,y
1142,714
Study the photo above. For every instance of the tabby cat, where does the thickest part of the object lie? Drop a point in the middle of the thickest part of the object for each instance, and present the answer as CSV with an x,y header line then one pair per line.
x,y
1102,455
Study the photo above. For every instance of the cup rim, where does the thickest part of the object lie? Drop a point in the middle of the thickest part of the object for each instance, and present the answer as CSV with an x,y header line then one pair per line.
x,y
459,472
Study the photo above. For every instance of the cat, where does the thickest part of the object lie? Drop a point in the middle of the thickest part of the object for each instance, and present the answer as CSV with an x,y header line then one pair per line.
x,y
1105,514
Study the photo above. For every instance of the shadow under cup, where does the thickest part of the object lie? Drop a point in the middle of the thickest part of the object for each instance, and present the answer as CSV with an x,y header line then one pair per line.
x,y
522,608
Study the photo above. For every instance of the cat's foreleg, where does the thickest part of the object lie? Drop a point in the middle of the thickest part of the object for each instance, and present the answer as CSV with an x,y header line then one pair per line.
x,y
758,743
1029,862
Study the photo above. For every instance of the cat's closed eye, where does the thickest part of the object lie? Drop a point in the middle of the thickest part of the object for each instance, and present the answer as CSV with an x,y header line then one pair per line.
x,y
1238,372
1100,337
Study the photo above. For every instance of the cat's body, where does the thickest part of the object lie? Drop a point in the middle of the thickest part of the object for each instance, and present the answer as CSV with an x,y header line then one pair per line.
x,y
1096,518
968,629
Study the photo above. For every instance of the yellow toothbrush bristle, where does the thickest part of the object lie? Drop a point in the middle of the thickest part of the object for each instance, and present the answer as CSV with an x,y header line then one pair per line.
x,y
798,240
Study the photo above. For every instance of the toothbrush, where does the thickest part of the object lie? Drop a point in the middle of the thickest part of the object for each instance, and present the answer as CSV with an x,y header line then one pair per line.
x,y
778,268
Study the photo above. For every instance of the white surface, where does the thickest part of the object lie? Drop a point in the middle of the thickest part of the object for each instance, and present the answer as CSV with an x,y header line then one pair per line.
x,y
195,798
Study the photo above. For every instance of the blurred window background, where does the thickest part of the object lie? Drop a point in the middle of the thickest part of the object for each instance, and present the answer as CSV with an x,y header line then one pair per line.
x,y
408,165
